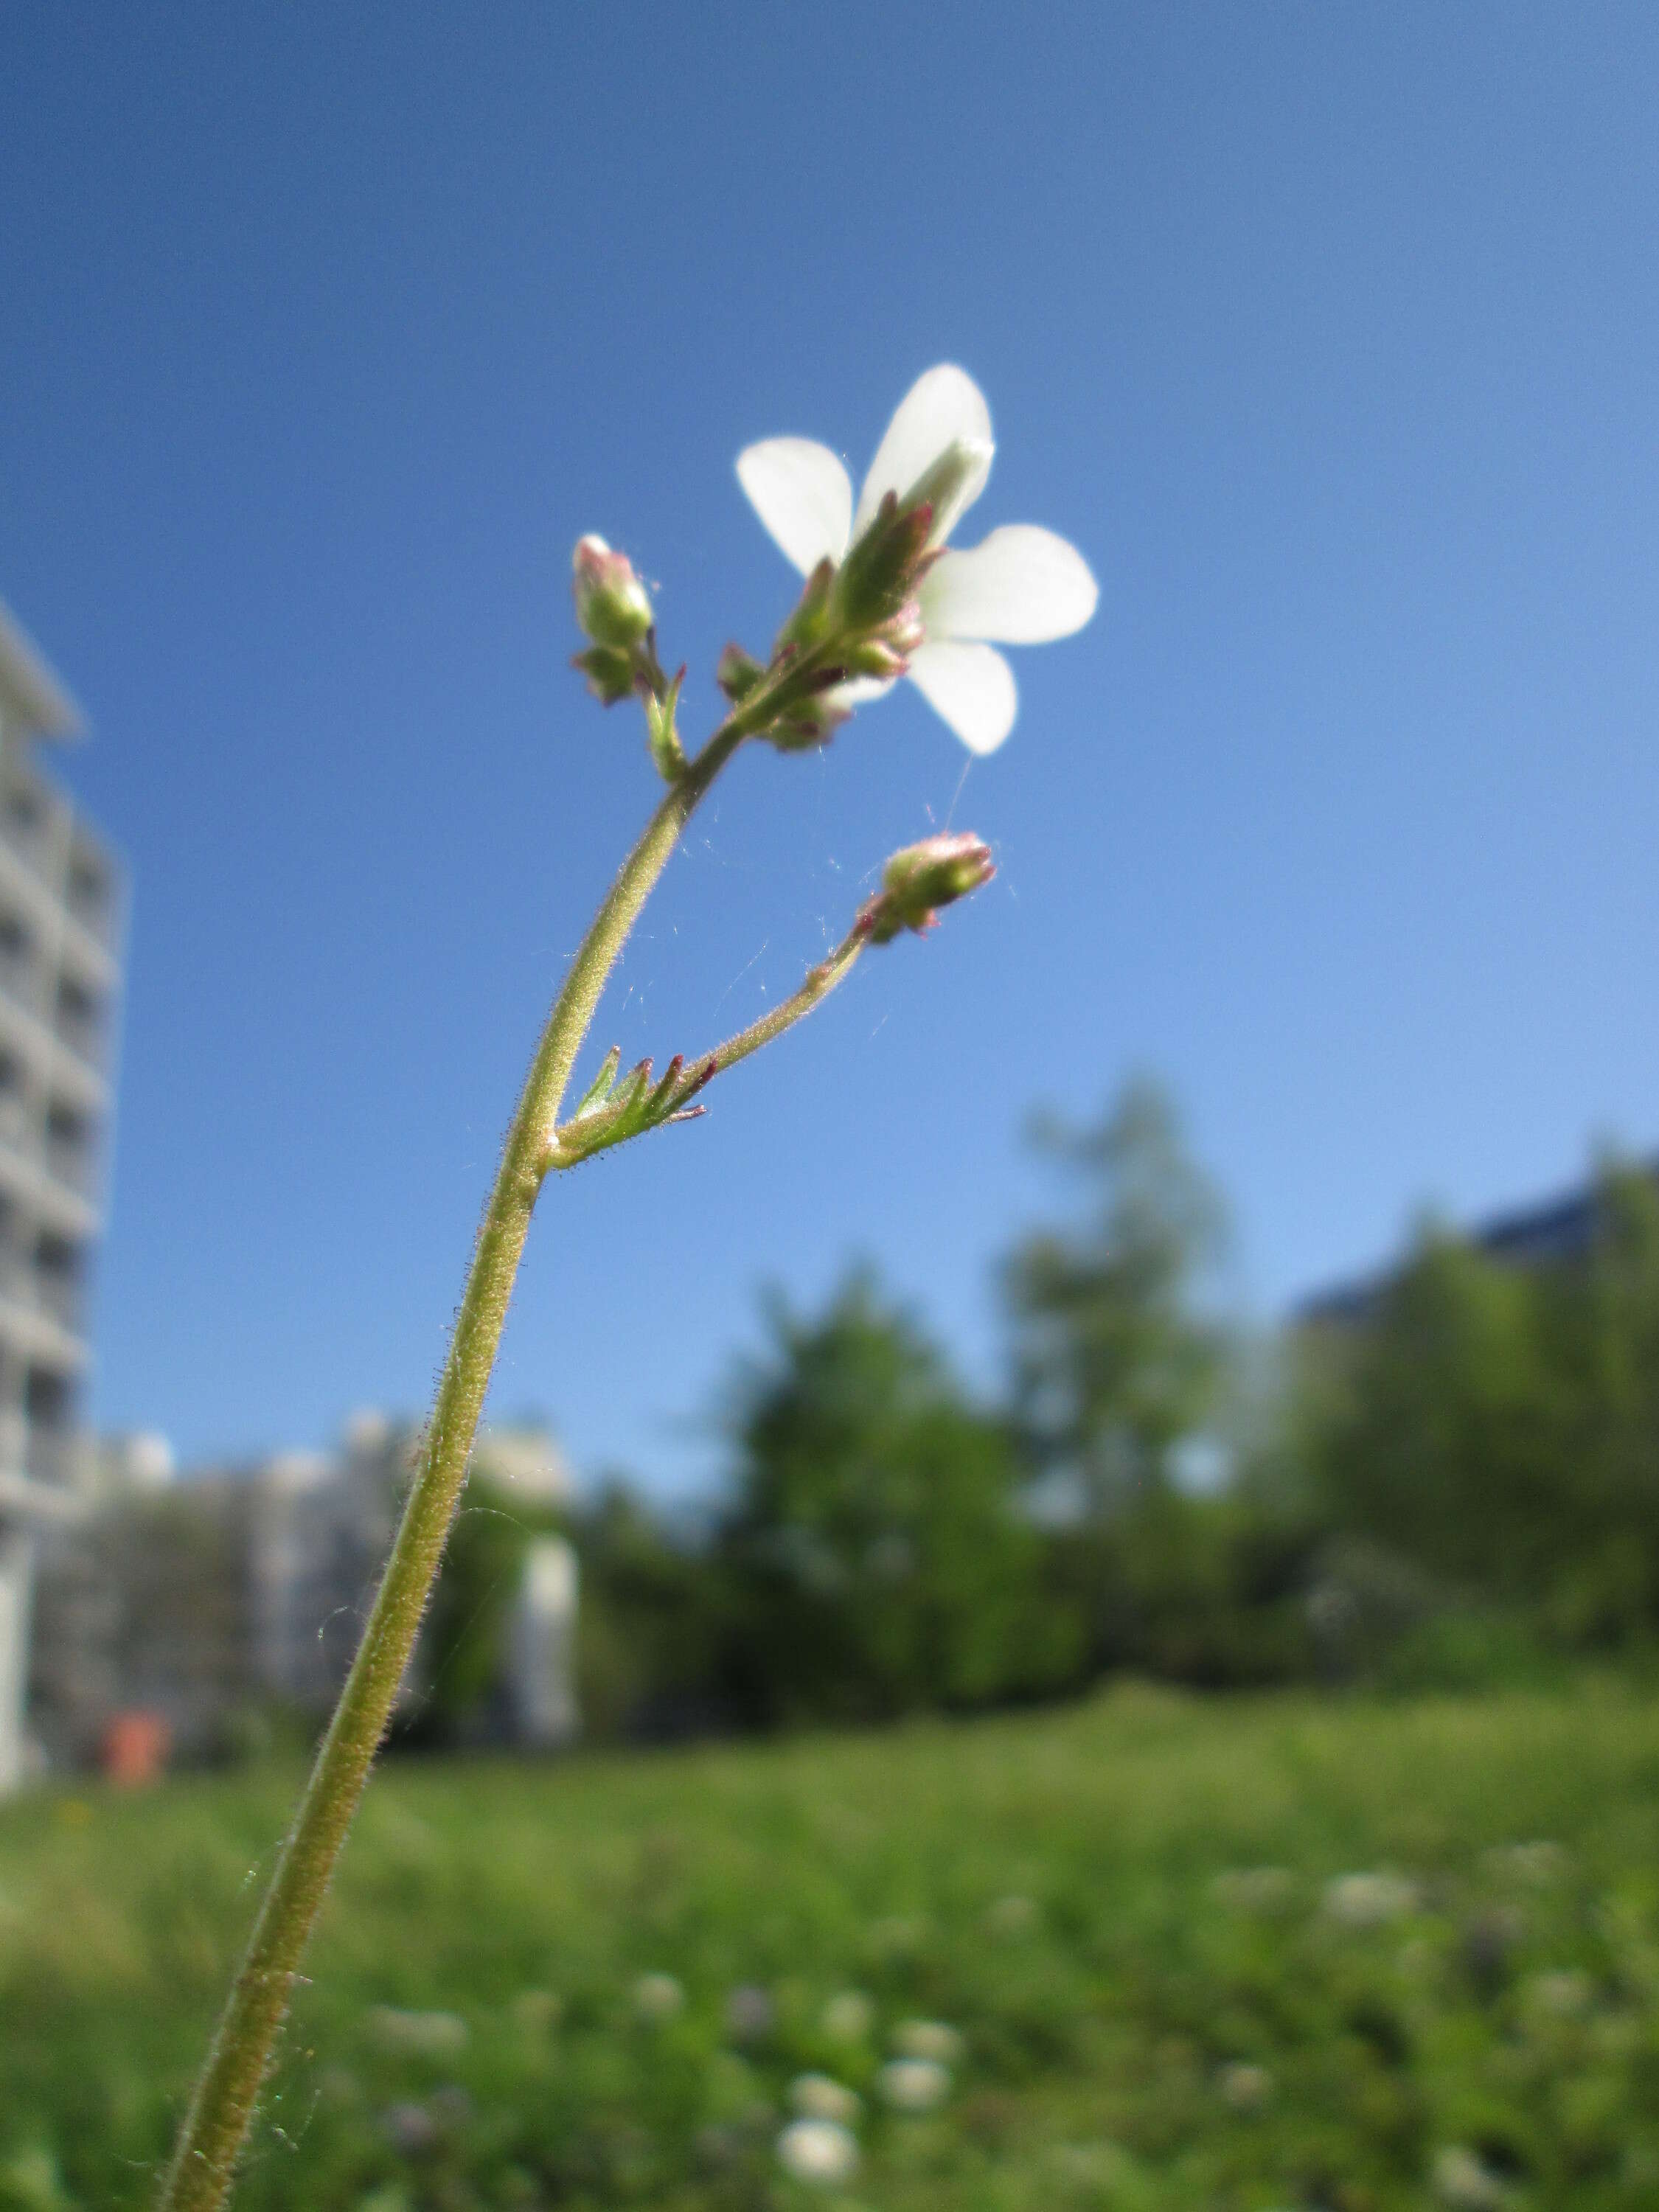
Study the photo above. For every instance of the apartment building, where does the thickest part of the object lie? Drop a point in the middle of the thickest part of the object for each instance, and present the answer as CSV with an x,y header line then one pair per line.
x,y
61,915
206,1601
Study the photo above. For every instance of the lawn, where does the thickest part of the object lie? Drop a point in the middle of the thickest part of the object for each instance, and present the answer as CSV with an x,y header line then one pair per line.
x,y
1149,1952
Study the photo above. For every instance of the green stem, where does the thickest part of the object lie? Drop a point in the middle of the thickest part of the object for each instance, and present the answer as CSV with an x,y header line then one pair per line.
x,y
221,2110
815,986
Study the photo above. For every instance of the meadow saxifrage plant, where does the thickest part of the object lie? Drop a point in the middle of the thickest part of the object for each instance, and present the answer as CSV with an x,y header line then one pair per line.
x,y
885,596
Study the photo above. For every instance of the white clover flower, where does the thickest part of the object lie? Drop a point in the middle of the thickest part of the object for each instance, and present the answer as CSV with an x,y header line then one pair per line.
x,y
820,2097
1247,2089
847,2017
657,1996
817,2150
1020,585
1369,1901
433,2034
928,2038
1464,2183
914,2085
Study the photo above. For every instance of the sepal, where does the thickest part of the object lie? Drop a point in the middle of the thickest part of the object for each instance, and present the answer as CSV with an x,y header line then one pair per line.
x,y
614,1110
738,673
609,673
659,726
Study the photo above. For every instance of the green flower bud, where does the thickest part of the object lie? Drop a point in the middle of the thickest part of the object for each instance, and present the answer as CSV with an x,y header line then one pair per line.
x,y
921,878
940,486
738,673
613,605
884,566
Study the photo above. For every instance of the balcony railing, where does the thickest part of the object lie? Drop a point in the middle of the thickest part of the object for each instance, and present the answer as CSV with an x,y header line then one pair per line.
x,y
59,1297
73,1160
79,1023
32,826
89,892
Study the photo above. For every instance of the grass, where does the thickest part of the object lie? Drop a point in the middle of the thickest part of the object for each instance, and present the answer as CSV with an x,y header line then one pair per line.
x,y
1124,1910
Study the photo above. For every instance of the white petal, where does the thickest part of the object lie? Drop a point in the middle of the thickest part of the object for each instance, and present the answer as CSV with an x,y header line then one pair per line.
x,y
971,686
802,494
941,406
1022,586
859,690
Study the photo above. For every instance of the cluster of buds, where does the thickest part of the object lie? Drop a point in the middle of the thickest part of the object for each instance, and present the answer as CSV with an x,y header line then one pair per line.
x,y
614,610
857,622
919,879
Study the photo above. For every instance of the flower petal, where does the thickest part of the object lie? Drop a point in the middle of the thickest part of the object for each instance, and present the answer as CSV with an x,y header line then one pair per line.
x,y
972,686
941,407
802,494
859,690
1021,586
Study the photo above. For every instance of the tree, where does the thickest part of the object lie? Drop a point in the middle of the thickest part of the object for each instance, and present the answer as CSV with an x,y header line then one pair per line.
x,y
879,1562
1114,1364
1499,1424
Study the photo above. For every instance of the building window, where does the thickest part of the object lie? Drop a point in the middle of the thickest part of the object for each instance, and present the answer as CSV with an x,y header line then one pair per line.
x,y
58,1277
89,890
79,1014
69,1144
16,947
24,809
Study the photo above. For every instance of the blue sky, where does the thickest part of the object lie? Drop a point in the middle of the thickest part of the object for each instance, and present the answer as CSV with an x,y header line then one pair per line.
x,y
1331,334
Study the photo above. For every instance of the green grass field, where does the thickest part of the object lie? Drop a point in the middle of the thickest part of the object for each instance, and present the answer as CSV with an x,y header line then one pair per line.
x,y
1125,1911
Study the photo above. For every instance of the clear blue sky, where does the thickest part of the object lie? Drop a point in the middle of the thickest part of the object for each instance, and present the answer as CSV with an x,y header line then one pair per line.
x,y
1331,334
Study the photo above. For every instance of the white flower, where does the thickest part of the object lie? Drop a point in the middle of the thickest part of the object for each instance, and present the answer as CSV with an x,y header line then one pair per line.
x,y
928,2038
657,1996
819,2097
914,2085
1369,1901
1020,585
847,2017
817,2150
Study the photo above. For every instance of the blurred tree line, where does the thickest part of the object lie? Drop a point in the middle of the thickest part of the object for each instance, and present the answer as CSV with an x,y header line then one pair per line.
x,y
1459,1484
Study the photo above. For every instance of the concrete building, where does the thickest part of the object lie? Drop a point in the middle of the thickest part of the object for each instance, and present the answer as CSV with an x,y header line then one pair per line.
x,y
61,914
211,1602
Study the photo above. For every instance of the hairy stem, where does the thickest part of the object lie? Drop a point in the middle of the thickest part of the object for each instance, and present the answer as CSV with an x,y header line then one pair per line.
x,y
221,2109
815,986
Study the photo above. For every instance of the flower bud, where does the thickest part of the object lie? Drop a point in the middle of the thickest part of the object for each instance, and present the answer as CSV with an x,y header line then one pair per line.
x,y
940,486
884,566
738,673
921,878
613,605
877,657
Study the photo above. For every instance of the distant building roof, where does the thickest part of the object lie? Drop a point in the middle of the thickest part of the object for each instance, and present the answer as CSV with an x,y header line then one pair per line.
x,y
1559,1228
28,689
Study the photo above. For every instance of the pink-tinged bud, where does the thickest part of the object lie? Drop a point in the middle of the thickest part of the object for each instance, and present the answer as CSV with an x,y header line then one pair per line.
x,y
919,879
906,632
883,567
613,605
738,673
942,489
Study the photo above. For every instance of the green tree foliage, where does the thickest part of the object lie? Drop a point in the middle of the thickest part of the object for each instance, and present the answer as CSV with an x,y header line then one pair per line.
x,y
650,1626
877,1560
1500,1424
1116,1366
1113,1367
464,1641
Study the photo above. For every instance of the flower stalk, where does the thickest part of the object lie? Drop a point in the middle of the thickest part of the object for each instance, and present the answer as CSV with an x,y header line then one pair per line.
x,y
221,2109
861,619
